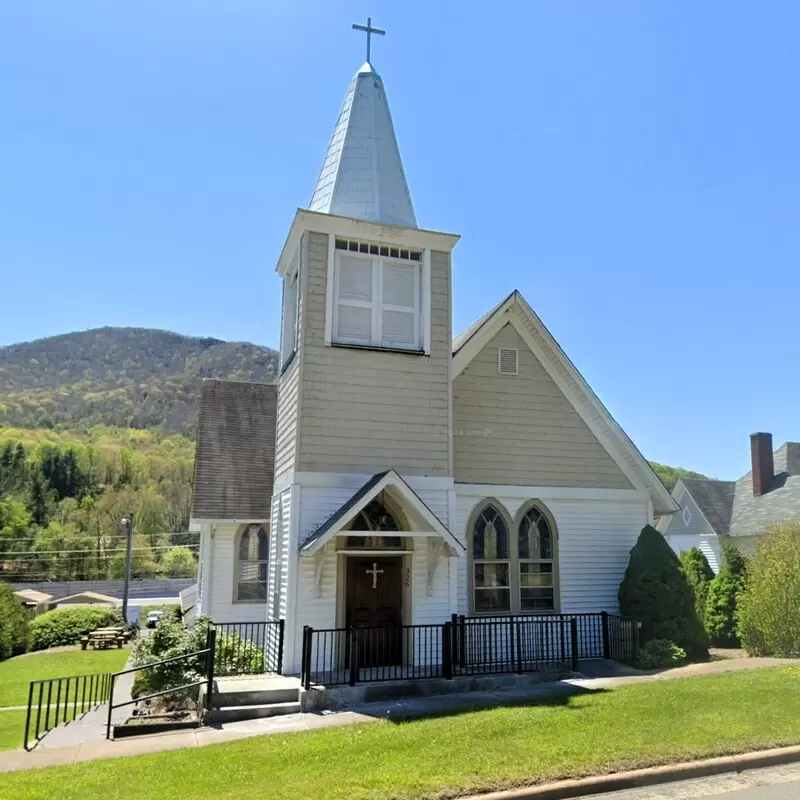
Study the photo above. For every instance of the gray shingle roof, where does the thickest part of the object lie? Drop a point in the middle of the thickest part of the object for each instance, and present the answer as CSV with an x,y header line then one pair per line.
x,y
781,502
343,509
714,499
731,508
235,458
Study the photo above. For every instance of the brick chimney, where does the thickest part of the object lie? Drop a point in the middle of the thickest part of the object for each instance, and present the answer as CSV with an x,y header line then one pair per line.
x,y
762,464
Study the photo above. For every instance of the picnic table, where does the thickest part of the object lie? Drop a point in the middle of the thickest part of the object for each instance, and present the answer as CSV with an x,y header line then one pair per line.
x,y
105,637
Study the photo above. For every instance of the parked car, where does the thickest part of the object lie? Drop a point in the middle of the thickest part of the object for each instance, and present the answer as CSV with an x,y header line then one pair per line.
x,y
153,617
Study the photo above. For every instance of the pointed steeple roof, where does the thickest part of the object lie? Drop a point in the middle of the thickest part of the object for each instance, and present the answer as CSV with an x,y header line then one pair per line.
x,y
362,175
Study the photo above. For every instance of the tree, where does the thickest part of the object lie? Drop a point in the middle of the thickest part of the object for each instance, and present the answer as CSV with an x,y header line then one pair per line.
x,y
14,523
179,562
39,499
143,563
699,574
769,622
656,593
722,603
13,624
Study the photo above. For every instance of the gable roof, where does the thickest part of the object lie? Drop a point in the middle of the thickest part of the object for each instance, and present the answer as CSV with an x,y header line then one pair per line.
x,y
412,502
714,499
87,598
515,310
33,596
750,514
235,456
730,507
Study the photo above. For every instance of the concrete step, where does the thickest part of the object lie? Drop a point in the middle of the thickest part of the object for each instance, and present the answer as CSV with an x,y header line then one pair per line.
x,y
256,697
238,713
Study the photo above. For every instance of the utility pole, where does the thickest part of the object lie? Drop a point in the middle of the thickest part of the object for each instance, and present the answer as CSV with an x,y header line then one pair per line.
x,y
128,559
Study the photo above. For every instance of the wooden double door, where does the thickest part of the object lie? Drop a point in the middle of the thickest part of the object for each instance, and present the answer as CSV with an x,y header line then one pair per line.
x,y
375,608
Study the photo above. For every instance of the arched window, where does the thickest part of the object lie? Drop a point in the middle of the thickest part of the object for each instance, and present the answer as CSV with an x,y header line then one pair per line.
x,y
537,572
252,565
491,562
375,517
512,574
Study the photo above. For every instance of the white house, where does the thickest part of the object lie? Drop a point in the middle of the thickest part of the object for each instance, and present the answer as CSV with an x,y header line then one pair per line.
x,y
713,512
395,475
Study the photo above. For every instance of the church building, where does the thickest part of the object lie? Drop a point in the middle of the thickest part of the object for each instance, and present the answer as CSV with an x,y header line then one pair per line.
x,y
394,475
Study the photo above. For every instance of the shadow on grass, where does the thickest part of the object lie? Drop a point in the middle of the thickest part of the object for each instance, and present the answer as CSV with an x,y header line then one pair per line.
x,y
557,694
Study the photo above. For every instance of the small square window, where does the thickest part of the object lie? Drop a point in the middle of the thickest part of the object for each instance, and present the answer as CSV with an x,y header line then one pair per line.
x,y
686,516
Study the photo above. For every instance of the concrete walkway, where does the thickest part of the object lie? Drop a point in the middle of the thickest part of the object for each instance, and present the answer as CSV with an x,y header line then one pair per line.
x,y
95,746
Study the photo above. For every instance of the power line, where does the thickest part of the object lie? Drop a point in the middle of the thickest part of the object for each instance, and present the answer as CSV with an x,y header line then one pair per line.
x,y
8,554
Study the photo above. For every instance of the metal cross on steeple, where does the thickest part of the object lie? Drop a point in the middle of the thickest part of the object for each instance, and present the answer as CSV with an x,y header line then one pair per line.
x,y
369,30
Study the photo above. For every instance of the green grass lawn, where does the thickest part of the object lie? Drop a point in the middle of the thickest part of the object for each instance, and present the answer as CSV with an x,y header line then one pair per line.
x,y
12,729
17,673
629,727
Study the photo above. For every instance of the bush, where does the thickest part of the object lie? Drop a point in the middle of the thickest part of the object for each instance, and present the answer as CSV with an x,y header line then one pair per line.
x,y
722,603
660,654
656,593
66,625
769,622
13,624
238,656
170,639
699,574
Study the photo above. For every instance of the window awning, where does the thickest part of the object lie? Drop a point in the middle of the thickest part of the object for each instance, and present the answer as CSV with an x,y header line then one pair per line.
x,y
423,521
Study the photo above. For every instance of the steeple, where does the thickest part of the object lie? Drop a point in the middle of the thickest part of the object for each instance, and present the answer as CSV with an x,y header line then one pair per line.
x,y
362,175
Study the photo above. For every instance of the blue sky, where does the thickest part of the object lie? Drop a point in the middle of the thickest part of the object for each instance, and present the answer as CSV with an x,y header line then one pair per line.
x,y
631,166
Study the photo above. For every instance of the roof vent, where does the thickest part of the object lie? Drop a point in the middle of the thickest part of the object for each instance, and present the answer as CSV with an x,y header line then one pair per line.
x,y
508,361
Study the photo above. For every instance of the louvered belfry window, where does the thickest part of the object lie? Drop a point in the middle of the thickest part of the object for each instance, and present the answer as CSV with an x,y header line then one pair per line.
x,y
377,301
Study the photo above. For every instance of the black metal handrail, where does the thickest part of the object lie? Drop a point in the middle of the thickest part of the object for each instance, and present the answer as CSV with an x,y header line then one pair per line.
x,y
249,648
75,695
208,679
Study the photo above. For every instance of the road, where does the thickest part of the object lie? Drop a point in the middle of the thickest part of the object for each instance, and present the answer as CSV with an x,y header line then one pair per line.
x,y
772,783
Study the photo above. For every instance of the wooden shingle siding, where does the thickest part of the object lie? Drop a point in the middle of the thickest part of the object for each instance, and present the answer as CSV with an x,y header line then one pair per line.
x,y
520,429
367,411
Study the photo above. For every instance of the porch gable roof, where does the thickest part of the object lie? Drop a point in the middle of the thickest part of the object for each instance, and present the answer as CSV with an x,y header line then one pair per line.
x,y
345,514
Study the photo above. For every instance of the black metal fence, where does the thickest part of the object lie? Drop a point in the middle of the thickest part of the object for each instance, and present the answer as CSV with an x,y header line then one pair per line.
x,y
248,648
56,701
464,646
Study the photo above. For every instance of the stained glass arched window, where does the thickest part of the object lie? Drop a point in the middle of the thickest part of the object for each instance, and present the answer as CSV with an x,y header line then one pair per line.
x,y
537,575
252,565
491,564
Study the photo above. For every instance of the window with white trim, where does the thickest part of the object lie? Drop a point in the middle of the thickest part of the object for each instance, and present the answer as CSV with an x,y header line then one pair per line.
x,y
289,314
251,565
377,299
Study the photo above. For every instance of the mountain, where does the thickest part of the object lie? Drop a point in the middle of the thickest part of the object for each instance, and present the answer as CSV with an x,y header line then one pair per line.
x,y
126,377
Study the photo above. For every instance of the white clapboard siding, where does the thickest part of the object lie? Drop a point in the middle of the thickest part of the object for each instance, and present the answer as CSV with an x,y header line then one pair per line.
x,y
316,505
594,542
708,545
223,609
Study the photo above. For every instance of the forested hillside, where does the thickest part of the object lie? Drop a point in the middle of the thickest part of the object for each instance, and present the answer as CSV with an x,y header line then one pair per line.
x,y
670,475
127,377
99,425
63,496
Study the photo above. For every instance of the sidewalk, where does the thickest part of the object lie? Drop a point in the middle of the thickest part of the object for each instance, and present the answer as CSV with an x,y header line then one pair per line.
x,y
86,742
